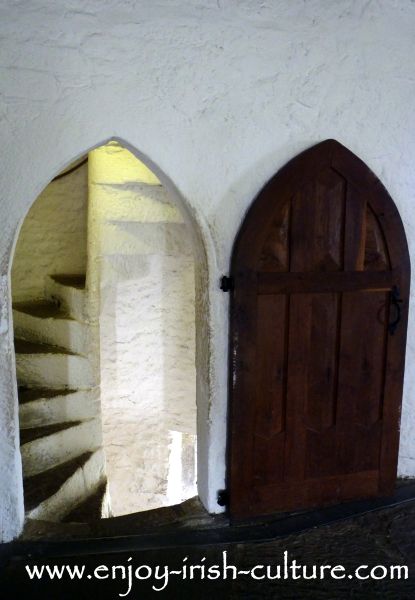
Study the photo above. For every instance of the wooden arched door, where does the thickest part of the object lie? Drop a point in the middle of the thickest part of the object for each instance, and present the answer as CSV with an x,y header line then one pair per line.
x,y
320,274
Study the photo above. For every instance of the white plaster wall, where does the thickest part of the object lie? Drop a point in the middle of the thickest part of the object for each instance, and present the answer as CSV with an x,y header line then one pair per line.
x,y
52,238
141,269
218,95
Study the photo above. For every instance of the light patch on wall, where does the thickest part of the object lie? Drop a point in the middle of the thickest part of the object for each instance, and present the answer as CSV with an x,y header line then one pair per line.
x,y
142,288
117,166
181,480
53,236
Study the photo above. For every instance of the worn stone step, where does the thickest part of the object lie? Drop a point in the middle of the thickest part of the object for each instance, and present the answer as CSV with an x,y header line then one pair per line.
x,y
46,322
189,514
40,406
69,291
76,281
56,492
43,309
22,346
48,366
32,394
34,433
50,446
91,509
43,485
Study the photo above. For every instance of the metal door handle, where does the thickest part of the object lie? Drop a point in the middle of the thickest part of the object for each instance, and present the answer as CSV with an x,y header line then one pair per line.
x,y
396,302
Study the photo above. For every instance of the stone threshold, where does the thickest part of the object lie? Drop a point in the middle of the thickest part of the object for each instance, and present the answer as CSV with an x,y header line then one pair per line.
x,y
215,532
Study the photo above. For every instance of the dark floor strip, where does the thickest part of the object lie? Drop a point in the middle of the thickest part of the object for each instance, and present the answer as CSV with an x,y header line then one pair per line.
x,y
285,525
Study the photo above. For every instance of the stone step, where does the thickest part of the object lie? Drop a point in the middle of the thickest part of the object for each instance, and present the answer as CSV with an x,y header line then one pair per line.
x,y
189,514
58,491
77,281
69,291
22,346
31,434
46,447
91,509
40,487
40,406
45,321
48,366
33,394
43,309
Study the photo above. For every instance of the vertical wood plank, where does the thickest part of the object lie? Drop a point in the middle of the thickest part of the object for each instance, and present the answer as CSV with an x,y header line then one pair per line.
x,y
355,230
317,225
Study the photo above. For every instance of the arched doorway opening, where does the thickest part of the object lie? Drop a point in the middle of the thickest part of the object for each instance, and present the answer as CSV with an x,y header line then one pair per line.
x,y
111,303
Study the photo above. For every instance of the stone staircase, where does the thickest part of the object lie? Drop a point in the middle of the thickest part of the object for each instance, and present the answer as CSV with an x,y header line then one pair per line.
x,y
60,427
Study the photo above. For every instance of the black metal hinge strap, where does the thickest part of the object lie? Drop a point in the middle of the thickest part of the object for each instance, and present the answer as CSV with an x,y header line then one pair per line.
x,y
226,284
396,302
223,498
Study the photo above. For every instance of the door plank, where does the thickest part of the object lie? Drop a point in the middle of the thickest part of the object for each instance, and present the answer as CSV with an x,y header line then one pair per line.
x,y
316,242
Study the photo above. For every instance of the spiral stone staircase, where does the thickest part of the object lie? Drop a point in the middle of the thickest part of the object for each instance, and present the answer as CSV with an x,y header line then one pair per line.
x,y
60,428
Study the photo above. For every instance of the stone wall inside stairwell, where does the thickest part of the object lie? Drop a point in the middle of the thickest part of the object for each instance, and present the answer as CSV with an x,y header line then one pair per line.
x,y
52,238
142,293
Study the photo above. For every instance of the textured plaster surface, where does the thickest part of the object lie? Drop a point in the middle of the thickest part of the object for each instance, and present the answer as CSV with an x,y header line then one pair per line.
x,y
215,96
141,260
52,238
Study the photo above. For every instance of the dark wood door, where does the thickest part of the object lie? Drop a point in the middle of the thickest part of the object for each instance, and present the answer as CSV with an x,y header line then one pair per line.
x,y
317,358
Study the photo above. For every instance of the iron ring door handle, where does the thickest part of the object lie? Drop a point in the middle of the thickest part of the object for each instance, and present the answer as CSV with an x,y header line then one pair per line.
x,y
396,302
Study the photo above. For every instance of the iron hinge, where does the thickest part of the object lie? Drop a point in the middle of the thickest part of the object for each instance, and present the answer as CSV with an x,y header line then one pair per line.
x,y
226,284
223,497
396,302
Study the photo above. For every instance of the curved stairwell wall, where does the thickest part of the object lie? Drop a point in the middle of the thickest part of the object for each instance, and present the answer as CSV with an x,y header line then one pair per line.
x,y
59,405
141,282
53,236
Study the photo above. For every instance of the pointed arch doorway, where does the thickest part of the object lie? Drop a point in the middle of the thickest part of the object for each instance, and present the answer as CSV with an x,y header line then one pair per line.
x,y
318,333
